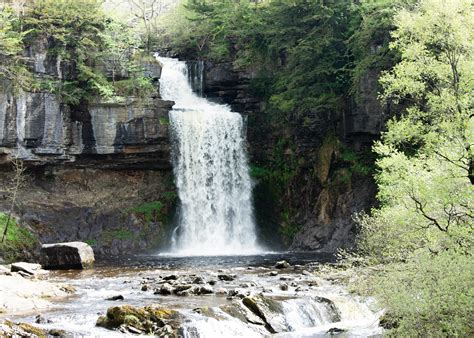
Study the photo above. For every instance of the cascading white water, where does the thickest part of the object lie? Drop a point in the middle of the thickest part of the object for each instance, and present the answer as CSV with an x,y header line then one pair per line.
x,y
211,171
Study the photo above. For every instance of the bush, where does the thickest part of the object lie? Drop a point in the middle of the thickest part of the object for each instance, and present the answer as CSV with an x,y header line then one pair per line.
x,y
428,296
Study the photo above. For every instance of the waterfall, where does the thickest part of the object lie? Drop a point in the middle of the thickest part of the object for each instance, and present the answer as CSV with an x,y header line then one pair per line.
x,y
211,170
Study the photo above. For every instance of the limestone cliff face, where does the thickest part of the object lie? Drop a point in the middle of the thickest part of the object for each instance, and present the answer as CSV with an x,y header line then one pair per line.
x,y
90,166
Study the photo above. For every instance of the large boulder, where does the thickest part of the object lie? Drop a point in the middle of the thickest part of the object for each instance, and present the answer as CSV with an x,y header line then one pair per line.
x,y
70,255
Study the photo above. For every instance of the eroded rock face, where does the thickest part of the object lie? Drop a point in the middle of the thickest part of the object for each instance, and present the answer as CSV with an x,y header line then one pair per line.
x,y
90,165
71,255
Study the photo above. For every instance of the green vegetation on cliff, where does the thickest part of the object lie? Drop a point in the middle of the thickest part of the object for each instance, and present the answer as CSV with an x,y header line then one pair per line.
x,y
92,51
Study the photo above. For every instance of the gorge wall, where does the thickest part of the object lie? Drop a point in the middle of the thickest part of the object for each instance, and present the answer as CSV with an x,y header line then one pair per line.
x,y
313,209
97,172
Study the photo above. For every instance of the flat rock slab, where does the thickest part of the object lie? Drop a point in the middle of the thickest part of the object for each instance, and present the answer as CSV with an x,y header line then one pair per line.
x,y
21,295
30,269
69,255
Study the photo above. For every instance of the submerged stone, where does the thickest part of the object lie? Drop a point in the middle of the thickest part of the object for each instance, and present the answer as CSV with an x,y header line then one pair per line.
x,y
282,265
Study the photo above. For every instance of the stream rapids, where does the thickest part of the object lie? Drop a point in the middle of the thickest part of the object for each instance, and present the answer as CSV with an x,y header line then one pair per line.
x,y
302,297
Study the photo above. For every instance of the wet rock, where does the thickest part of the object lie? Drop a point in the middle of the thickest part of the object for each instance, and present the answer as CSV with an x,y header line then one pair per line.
x,y
39,319
70,255
4,271
269,310
114,298
221,292
203,290
17,329
283,287
335,331
184,293
282,265
332,310
165,331
232,292
144,287
27,269
301,289
212,282
273,273
241,312
148,319
57,333
226,277
209,312
245,285
68,289
170,277
166,289
182,287
198,280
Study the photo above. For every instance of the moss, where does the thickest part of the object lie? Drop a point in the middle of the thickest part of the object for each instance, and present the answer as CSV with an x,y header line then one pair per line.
x,y
17,240
325,155
149,211
146,318
29,329
91,241
120,234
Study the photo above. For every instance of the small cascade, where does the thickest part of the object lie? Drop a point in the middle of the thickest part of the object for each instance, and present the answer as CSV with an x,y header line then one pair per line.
x,y
196,76
211,170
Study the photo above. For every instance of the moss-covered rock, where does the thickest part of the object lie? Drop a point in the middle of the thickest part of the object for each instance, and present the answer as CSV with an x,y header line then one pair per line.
x,y
148,319
9,328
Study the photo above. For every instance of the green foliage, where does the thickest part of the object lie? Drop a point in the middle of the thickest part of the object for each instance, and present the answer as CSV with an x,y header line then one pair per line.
x,y
150,211
369,43
117,234
423,230
427,296
12,68
288,229
90,47
74,29
298,48
17,241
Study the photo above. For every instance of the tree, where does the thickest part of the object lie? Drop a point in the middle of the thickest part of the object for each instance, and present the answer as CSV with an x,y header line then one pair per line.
x,y
147,11
17,183
12,68
423,231
425,154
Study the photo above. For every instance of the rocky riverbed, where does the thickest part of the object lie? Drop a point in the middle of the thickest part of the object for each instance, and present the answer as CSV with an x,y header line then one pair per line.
x,y
203,297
